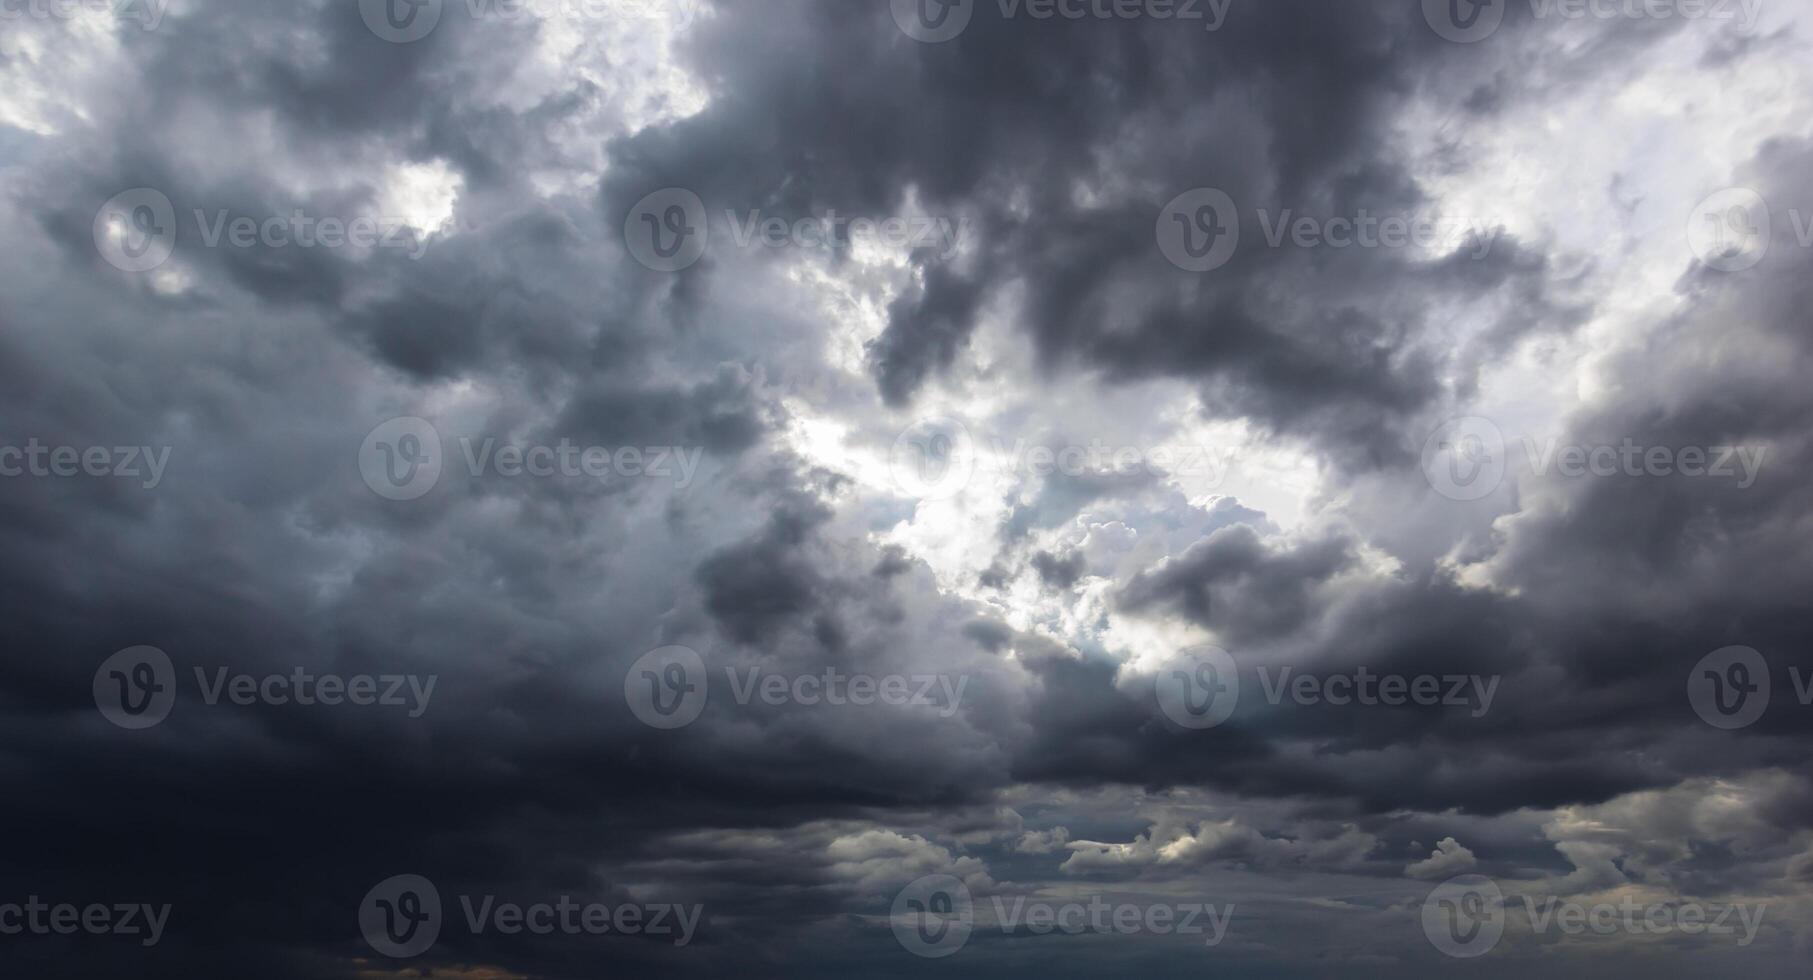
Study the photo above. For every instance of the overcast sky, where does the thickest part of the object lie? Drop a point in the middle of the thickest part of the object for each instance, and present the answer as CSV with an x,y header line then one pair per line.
x,y
577,488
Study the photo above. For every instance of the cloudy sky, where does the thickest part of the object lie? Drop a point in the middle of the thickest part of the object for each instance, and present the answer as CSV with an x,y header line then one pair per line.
x,y
575,488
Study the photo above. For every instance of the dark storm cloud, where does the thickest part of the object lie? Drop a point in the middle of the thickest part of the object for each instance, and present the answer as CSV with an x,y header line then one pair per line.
x,y
530,601
1284,107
